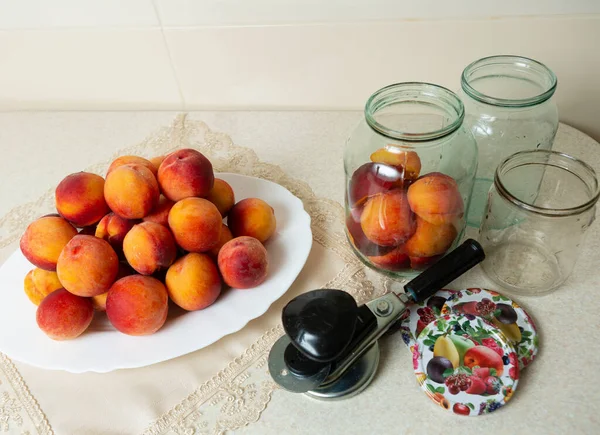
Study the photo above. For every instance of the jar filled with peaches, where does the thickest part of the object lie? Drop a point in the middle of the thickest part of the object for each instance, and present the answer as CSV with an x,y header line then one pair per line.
x,y
410,167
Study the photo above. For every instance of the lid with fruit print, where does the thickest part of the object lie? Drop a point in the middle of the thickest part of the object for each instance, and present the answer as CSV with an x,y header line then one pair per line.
x,y
514,322
466,366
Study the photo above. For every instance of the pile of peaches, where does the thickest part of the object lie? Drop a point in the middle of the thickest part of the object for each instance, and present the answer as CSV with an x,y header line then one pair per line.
x,y
150,232
399,219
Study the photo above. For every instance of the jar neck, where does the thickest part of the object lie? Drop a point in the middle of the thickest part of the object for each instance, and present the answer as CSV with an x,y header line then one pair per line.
x,y
414,112
508,81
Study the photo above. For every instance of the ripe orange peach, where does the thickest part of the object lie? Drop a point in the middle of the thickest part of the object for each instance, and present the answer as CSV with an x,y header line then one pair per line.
x,y
156,161
252,217
226,236
79,198
435,197
113,228
193,282
394,260
149,247
160,213
87,266
39,283
408,163
185,173
196,224
125,160
387,219
131,191
243,262
359,240
44,239
137,305
429,240
222,196
99,301
63,315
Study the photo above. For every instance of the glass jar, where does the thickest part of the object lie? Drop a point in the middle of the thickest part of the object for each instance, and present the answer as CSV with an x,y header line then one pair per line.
x,y
532,238
509,108
410,166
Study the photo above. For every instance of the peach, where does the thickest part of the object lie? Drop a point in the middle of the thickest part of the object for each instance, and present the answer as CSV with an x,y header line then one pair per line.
x,y
87,266
39,283
371,179
226,236
408,163
63,315
196,224
99,301
149,247
160,213
429,240
113,228
243,262
44,239
222,196
387,219
80,198
131,191
435,198
420,263
156,161
185,173
359,240
483,356
395,260
125,160
137,305
193,282
252,217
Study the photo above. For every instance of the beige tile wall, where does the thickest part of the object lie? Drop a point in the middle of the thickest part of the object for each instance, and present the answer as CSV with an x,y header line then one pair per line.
x,y
181,54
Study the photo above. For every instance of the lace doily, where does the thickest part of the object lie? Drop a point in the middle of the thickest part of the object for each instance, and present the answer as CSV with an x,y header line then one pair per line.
x,y
237,395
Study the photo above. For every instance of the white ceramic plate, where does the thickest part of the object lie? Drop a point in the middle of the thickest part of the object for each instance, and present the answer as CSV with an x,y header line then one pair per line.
x,y
102,348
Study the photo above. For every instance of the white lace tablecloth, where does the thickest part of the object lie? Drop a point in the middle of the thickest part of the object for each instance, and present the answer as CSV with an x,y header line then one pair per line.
x,y
225,388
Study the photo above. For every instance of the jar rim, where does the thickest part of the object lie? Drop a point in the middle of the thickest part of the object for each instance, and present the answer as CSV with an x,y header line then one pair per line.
x,y
508,59
550,212
439,96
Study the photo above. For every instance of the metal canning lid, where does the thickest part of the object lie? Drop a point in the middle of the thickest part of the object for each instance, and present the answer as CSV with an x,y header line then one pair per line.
x,y
504,313
467,366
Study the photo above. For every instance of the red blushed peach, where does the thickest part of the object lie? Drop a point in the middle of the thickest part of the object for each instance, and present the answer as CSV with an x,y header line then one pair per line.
x,y
387,219
63,315
193,282
80,198
149,247
483,356
131,191
137,305
87,266
226,236
160,213
99,301
39,283
408,163
420,263
222,196
252,217
394,260
125,160
360,241
185,173
435,198
44,240
196,224
371,179
429,240
243,262
113,228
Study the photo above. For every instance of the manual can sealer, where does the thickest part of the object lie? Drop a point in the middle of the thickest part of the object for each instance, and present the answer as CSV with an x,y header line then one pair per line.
x,y
330,348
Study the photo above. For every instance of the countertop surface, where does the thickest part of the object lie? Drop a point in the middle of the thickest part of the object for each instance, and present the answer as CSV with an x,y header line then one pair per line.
x,y
557,394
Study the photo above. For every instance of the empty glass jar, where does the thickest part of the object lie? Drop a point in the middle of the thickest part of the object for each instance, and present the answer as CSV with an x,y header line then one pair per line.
x,y
410,166
532,236
509,108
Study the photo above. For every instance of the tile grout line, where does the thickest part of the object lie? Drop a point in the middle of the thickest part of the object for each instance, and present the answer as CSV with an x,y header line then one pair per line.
x,y
173,69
